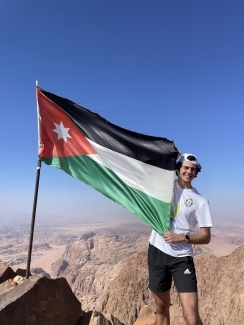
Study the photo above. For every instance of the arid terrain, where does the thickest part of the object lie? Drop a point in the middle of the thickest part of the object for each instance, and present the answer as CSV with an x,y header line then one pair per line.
x,y
104,262
52,235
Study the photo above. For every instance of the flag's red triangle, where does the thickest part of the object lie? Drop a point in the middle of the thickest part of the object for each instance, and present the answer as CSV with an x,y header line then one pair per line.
x,y
51,145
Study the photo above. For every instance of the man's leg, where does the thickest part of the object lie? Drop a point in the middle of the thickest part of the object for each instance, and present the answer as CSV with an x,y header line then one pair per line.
x,y
162,300
189,302
160,283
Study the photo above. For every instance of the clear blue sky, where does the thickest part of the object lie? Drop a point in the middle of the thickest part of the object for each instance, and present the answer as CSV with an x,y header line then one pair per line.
x,y
166,68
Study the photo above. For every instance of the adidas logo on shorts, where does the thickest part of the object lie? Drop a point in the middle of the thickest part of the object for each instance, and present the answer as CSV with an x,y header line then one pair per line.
x,y
187,272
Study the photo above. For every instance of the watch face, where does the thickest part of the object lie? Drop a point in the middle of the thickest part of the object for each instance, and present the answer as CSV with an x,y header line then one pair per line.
x,y
187,238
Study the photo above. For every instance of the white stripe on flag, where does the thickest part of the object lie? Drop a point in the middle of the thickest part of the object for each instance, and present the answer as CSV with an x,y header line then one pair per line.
x,y
149,179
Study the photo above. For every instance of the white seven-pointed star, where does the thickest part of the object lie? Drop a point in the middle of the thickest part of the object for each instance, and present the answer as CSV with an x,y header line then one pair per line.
x,y
62,132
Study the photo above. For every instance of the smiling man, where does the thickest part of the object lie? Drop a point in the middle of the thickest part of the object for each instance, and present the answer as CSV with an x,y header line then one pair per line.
x,y
171,255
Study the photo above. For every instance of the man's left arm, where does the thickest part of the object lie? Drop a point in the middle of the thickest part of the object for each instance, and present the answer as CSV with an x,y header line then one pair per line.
x,y
203,237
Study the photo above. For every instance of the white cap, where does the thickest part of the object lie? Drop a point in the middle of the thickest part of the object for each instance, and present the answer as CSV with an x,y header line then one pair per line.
x,y
190,158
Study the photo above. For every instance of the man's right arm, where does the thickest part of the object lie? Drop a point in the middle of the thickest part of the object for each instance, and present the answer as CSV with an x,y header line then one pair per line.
x,y
203,237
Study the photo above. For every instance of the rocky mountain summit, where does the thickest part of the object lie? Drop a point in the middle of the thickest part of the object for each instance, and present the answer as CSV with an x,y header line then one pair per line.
x,y
109,274
106,268
220,283
91,263
36,300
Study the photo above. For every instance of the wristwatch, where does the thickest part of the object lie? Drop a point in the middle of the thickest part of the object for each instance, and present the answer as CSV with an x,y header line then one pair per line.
x,y
187,238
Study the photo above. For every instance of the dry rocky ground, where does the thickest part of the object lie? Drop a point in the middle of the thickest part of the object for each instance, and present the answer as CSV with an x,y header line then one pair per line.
x,y
221,289
105,265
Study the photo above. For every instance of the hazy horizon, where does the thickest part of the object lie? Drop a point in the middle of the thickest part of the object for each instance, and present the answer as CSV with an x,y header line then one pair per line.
x,y
123,216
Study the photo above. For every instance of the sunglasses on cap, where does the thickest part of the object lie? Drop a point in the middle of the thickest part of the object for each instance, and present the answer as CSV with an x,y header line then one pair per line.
x,y
191,158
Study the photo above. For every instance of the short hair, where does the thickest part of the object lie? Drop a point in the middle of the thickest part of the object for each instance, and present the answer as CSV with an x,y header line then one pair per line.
x,y
179,165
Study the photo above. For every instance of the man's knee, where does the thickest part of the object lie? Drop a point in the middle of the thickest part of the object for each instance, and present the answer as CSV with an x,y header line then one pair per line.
x,y
162,302
162,306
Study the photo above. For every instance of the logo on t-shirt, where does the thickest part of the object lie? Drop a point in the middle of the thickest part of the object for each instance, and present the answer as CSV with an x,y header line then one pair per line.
x,y
188,202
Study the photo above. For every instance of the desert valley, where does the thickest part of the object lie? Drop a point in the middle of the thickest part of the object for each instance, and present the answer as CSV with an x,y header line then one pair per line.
x,y
105,264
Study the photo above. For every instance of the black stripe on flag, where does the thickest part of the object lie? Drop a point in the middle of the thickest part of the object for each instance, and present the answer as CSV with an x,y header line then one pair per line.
x,y
156,151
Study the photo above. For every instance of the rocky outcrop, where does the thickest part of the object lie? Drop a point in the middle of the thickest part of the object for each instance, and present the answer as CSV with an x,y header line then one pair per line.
x,y
146,316
6,273
96,318
110,278
221,288
128,292
220,284
40,271
39,300
91,263
202,251
235,240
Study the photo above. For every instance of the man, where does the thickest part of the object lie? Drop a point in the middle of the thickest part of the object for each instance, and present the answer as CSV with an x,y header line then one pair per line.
x,y
171,255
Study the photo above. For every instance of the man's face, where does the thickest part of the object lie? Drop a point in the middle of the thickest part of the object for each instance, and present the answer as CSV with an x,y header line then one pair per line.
x,y
187,171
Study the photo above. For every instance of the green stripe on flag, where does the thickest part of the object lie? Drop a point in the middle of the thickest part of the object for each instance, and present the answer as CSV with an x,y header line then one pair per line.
x,y
101,178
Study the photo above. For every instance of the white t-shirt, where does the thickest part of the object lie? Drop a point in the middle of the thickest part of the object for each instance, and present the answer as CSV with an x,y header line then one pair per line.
x,y
188,208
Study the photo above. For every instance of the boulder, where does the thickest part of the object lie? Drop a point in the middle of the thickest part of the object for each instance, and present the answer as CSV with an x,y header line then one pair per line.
x,y
40,301
6,273
96,318
146,316
22,272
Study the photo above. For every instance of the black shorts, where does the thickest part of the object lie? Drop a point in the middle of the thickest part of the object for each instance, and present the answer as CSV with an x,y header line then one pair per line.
x,y
163,267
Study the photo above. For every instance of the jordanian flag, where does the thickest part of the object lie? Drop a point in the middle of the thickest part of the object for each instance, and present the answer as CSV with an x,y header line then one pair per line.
x,y
132,169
